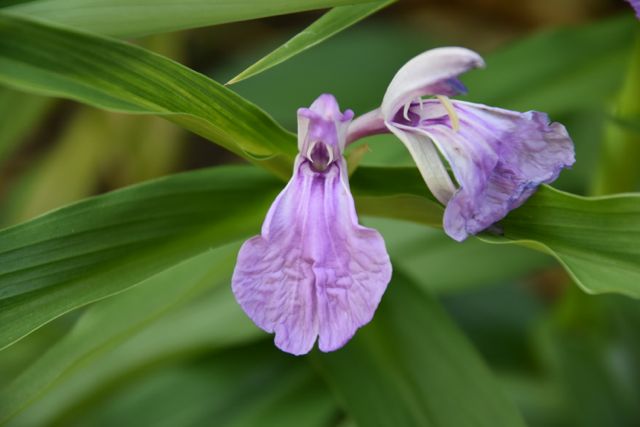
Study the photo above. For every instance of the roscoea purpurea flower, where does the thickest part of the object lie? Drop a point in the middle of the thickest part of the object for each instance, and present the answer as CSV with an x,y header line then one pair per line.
x,y
313,272
497,157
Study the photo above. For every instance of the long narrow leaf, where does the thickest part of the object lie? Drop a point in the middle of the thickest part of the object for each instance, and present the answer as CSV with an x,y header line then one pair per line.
x,y
328,25
581,68
77,255
594,238
118,76
426,256
412,367
146,324
124,18
106,244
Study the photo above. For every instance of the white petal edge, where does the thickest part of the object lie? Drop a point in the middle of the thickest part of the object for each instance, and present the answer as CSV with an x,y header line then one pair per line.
x,y
427,69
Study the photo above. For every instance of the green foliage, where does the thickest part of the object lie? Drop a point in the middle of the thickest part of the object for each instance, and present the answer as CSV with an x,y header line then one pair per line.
x,y
596,239
232,388
426,255
148,323
161,340
25,111
121,77
122,18
620,153
328,25
557,71
412,367
101,246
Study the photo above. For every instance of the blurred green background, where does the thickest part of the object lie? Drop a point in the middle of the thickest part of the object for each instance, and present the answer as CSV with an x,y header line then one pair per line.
x,y
564,358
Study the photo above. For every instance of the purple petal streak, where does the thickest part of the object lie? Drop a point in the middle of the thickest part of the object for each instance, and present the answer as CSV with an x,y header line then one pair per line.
x,y
498,157
313,272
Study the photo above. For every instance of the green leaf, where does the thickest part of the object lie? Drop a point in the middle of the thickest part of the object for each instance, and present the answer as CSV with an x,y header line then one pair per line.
x,y
7,3
101,367
106,244
426,256
153,322
121,77
94,142
123,18
220,391
620,151
581,69
594,238
49,182
397,193
412,367
328,25
339,67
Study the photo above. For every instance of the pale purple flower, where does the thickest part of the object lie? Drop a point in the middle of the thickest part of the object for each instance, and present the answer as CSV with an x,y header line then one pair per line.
x,y
313,272
498,157
636,6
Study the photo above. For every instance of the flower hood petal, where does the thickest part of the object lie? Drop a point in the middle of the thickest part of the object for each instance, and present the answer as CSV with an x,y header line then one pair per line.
x,y
323,121
433,72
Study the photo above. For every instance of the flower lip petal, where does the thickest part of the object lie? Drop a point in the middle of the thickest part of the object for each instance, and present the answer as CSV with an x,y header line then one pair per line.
x,y
433,72
313,272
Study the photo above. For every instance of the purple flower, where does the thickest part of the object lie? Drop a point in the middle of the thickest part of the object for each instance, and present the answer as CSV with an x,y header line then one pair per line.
x,y
498,157
313,272
636,6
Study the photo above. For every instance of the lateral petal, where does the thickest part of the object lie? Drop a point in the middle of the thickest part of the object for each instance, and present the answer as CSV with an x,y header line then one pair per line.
x,y
499,157
429,163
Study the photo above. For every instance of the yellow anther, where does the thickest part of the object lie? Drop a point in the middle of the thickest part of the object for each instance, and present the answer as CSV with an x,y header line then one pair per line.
x,y
451,112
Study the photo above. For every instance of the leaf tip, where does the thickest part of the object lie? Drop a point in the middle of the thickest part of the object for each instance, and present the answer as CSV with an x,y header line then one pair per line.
x,y
235,80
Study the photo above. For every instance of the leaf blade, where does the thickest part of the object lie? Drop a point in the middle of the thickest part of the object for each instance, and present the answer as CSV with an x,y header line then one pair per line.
x,y
121,77
329,24
75,255
66,373
412,367
122,18
594,238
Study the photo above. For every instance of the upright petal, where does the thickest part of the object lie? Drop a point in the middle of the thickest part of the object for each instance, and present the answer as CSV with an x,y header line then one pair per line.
x,y
434,72
499,157
313,271
323,121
